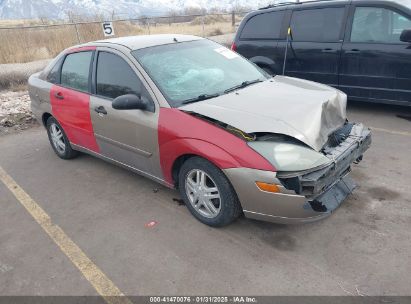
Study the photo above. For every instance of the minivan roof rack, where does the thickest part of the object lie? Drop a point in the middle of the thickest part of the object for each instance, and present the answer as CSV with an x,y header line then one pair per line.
x,y
279,4
291,2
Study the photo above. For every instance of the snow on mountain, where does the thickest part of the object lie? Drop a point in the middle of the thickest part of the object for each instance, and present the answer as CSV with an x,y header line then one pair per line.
x,y
58,9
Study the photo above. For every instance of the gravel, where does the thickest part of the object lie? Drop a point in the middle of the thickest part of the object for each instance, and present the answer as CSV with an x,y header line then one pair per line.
x,y
15,113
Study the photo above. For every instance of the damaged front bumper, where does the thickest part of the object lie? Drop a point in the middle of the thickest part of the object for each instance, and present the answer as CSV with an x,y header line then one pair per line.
x,y
303,196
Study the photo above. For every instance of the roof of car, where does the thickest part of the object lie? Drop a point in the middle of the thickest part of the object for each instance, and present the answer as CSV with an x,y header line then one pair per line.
x,y
286,3
144,41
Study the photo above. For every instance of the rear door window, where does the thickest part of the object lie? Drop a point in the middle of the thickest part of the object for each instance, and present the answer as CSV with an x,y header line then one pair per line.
x,y
75,71
54,74
317,25
263,26
377,24
115,77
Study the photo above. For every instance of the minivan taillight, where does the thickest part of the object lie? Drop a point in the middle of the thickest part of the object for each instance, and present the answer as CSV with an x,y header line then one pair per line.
x,y
233,47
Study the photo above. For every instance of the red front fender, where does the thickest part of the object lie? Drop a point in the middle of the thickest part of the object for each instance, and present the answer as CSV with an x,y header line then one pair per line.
x,y
172,150
180,134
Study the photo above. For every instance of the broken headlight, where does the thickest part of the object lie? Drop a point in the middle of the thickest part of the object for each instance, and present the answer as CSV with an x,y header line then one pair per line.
x,y
289,156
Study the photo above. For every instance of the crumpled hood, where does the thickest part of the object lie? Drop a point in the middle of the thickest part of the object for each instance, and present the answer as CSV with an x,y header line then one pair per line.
x,y
302,109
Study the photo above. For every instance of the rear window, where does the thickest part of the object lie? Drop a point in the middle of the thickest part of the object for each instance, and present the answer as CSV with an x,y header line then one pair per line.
x,y
54,74
75,71
317,25
263,26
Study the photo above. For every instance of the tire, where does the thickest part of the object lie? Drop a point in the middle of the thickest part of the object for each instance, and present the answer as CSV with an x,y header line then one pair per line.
x,y
53,129
190,182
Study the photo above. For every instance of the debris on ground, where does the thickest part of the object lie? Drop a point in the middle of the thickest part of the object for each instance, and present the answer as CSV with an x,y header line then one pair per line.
x,y
15,113
179,201
150,224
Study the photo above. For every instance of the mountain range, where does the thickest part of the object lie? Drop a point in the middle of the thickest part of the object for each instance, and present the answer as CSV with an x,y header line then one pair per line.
x,y
59,9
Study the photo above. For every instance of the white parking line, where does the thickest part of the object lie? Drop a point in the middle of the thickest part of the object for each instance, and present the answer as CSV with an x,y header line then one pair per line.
x,y
101,283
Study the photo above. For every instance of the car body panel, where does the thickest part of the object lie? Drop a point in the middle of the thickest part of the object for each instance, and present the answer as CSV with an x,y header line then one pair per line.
x,y
73,114
39,91
272,205
376,71
182,134
321,191
129,136
302,109
145,41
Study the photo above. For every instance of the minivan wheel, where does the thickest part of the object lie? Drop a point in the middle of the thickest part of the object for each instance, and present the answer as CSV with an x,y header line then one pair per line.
x,y
58,140
208,193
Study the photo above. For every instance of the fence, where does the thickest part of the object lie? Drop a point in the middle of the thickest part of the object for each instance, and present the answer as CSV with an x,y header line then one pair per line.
x,y
37,42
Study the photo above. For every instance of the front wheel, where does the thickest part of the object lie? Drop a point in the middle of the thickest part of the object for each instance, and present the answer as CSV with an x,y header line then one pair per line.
x,y
208,193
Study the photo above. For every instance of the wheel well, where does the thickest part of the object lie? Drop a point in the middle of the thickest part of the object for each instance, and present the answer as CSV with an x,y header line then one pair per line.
x,y
45,117
266,67
177,166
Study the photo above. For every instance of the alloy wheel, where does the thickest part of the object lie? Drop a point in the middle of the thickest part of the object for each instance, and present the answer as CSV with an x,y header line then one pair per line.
x,y
57,138
203,193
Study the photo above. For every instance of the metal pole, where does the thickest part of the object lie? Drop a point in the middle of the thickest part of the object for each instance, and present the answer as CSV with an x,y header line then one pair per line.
x,y
286,49
202,22
77,34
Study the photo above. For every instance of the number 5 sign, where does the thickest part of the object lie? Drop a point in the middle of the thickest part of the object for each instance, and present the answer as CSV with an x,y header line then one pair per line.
x,y
108,29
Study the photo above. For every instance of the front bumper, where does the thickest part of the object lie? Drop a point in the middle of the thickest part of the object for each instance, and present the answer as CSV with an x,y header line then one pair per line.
x,y
309,196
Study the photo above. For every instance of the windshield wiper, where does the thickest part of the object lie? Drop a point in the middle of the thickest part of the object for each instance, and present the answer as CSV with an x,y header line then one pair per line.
x,y
200,98
243,85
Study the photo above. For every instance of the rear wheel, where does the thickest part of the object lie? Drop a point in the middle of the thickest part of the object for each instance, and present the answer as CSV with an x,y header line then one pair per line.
x,y
58,140
207,193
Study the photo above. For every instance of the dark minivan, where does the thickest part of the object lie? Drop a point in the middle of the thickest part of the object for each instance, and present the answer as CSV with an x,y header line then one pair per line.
x,y
362,47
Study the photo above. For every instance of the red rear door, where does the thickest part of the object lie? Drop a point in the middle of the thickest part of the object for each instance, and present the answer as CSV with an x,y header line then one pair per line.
x,y
70,101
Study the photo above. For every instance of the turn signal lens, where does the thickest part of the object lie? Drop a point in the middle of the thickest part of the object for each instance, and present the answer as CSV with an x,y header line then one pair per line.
x,y
268,187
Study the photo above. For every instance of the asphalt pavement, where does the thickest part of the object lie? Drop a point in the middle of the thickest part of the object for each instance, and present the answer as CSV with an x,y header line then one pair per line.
x,y
145,243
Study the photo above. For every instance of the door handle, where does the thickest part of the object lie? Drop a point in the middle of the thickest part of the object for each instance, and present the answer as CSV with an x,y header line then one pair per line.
x,y
59,95
100,110
353,51
328,50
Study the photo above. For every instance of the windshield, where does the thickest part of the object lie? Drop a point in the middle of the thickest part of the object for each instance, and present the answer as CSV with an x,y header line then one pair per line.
x,y
196,70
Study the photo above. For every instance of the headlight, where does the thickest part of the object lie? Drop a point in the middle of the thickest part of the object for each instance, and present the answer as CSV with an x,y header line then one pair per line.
x,y
289,157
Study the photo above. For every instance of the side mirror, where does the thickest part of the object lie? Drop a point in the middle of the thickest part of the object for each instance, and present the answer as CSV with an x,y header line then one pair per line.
x,y
130,102
406,36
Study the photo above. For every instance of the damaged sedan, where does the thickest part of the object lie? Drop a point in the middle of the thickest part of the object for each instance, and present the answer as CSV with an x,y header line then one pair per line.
x,y
196,116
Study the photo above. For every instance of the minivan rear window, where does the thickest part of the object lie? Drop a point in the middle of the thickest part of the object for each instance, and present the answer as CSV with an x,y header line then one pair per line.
x,y
263,26
317,25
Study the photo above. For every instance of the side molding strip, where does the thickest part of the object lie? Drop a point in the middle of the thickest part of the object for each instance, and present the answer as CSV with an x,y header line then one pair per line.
x,y
123,146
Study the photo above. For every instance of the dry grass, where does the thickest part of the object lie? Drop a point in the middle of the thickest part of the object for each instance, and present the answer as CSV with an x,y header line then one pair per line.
x,y
14,82
14,76
25,45
18,22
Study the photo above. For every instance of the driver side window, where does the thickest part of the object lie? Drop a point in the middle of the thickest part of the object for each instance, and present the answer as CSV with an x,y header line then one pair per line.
x,y
115,77
377,24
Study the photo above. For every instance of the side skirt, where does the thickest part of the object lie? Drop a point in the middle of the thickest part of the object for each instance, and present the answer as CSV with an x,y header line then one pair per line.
x,y
120,164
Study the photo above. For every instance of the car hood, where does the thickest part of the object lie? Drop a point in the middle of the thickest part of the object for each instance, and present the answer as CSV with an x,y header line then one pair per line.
x,y
302,109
